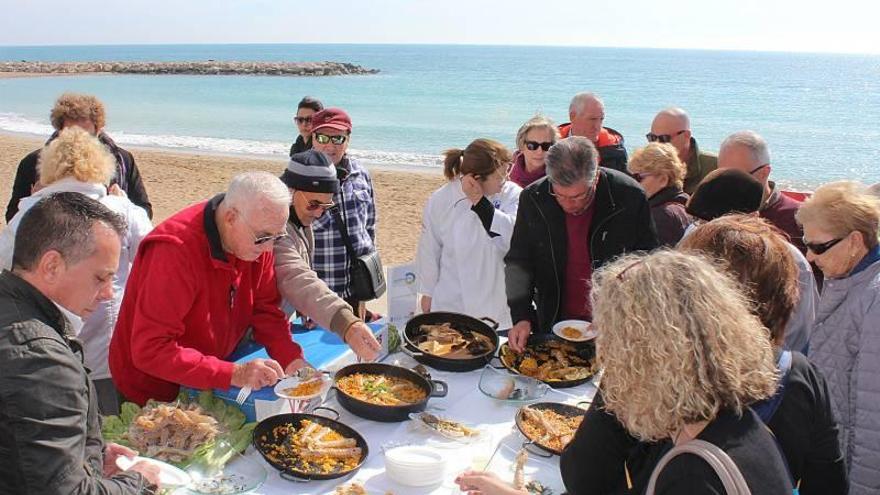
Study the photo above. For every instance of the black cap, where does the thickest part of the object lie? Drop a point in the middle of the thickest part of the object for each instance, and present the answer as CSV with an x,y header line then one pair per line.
x,y
726,191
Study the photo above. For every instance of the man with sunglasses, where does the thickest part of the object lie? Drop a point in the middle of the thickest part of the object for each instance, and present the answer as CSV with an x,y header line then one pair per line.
x,y
331,134
311,179
672,125
200,280
748,151
574,220
586,113
307,107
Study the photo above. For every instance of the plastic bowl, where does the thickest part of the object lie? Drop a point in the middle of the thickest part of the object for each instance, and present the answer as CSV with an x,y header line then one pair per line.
x,y
509,388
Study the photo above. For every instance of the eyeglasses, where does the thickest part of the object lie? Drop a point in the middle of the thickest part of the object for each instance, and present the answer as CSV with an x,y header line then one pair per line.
x,y
303,120
663,138
640,176
577,197
264,238
820,248
759,168
324,138
317,205
534,145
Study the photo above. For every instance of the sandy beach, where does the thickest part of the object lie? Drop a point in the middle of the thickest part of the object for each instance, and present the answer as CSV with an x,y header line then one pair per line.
x,y
175,180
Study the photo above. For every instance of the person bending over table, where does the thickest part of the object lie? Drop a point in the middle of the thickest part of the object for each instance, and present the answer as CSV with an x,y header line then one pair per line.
x,y
199,281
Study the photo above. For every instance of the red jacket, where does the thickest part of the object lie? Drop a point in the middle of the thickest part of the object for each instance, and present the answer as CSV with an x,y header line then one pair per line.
x,y
610,145
186,307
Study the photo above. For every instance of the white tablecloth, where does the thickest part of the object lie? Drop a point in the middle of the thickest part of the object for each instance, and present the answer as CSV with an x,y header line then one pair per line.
x,y
465,403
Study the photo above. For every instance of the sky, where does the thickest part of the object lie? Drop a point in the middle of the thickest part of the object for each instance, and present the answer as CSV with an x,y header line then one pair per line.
x,y
846,26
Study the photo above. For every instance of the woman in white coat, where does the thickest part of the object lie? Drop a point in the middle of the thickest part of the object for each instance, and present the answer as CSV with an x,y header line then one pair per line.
x,y
77,162
466,230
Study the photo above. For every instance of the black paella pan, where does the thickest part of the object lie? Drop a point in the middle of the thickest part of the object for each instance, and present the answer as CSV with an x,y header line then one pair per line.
x,y
265,437
584,350
463,324
566,410
387,413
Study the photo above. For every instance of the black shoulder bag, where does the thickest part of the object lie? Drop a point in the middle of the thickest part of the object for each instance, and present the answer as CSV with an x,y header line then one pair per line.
x,y
366,276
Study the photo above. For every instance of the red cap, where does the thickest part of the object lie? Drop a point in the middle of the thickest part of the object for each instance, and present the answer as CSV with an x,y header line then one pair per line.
x,y
334,118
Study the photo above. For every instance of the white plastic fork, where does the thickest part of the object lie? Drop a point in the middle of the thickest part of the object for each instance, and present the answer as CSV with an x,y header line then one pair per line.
x,y
243,395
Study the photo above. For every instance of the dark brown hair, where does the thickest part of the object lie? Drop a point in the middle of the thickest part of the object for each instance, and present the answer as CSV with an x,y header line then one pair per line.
x,y
482,157
309,102
758,255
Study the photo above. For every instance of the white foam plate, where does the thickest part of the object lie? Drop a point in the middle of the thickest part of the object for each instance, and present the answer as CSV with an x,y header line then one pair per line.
x,y
169,476
292,382
587,332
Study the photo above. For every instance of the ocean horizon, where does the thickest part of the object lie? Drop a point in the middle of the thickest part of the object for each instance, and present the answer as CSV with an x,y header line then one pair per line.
x,y
819,112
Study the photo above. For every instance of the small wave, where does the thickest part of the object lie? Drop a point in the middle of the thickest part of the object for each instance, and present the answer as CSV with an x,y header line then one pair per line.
x,y
17,123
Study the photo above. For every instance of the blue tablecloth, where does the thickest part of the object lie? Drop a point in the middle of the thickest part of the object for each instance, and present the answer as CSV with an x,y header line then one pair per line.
x,y
320,347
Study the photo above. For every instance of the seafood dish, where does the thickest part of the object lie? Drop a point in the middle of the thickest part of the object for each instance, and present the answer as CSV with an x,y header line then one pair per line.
x,y
312,448
382,390
549,361
446,341
571,333
170,432
445,427
308,388
548,428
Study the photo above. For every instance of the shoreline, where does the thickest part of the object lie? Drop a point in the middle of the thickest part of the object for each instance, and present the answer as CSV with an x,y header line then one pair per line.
x,y
194,67
175,179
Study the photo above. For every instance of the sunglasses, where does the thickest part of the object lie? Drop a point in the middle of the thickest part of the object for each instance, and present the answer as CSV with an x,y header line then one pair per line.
x,y
264,238
316,205
662,138
820,248
759,167
324,139
533,145
303,120
640,176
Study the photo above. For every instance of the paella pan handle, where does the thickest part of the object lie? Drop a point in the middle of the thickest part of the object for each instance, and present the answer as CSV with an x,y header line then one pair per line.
x,y
534,448
334,411
586,403
439,388
492,323
408,351
288,476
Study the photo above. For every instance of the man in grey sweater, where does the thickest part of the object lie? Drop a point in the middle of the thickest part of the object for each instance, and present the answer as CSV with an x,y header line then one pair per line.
x,y
311,178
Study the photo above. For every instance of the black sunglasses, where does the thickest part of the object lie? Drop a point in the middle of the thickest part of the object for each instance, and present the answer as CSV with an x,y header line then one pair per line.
x,y
303,120
324,139
639,176
533,145
820,248
662,138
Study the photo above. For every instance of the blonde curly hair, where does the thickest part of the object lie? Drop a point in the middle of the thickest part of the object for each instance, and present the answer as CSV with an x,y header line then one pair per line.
x,y
75,106
76,153
661,159
678,343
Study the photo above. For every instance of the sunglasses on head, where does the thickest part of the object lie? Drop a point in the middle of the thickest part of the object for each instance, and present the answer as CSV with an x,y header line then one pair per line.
x,y
533,145
820,248
303,120
324,138
662,138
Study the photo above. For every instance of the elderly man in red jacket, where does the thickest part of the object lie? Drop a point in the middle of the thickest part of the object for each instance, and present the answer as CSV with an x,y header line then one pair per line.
x,y
199,281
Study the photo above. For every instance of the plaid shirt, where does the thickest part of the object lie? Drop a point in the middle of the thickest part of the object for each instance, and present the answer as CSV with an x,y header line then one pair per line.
x,y
357,201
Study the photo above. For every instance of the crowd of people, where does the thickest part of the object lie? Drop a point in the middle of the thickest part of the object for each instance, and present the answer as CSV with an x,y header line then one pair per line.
x,y
734,318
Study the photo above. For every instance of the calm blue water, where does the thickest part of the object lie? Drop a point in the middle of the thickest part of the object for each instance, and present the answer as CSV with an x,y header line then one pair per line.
x,y
820,113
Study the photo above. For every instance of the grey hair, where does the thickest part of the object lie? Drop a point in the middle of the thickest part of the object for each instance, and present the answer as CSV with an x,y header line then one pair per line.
x,y
261,191
753,142
581,99
536,122
571,160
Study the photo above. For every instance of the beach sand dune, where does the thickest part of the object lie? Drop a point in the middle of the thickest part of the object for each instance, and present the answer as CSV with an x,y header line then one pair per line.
x,y
175,180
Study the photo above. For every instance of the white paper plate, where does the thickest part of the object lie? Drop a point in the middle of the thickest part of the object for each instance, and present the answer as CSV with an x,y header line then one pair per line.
x,y
587,332
169,476
292,382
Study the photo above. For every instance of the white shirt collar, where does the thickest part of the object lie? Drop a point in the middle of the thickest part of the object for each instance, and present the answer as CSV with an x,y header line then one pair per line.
x,y
76,323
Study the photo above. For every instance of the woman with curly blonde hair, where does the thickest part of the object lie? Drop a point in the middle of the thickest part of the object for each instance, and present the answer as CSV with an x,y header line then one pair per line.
x,y
683,357
77,162
87,113
660,172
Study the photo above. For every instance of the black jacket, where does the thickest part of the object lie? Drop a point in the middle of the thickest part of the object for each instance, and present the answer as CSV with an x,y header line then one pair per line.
x,y
670,217
127,176
535,264
804,426
300,145
50,430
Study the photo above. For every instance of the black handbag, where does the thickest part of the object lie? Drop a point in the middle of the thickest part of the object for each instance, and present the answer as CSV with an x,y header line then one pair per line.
x,y
366,276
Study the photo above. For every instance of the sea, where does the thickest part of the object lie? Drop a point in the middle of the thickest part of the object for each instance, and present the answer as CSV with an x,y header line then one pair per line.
x,y
820,113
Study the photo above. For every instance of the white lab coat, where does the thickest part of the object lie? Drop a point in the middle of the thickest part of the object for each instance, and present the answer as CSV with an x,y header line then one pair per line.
x,y
458,264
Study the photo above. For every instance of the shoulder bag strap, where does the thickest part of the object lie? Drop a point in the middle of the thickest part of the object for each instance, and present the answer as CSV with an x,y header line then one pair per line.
x,y
730,475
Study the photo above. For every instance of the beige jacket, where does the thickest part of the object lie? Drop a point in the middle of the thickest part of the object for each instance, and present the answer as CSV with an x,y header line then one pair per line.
x,y
300,286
